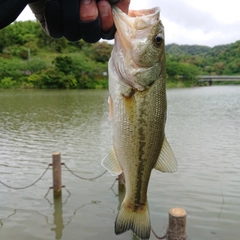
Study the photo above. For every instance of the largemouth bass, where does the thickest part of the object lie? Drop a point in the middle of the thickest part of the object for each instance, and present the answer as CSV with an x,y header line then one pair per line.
x,y
137,75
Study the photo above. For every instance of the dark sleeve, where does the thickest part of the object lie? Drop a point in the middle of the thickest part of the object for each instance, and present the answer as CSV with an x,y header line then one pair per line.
x,y
10,10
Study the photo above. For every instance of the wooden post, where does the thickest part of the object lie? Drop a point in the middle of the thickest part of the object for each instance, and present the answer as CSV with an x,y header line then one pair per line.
x,y
177,224
57,174
121,182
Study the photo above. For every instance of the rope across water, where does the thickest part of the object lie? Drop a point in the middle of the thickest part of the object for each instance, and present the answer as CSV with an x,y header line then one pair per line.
x,y
42,175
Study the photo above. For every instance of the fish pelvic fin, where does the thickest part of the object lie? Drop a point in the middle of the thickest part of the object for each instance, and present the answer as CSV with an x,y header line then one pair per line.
x,y
136,220
166,161
110,162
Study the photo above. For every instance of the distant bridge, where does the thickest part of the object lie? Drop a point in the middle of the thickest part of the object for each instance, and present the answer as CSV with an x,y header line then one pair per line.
x,y
216,78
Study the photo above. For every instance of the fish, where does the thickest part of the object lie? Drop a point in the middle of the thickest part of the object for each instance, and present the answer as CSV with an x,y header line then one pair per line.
x,y
138,111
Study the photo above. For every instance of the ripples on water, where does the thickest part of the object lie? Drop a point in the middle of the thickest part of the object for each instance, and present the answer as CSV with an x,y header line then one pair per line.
x,y
202,128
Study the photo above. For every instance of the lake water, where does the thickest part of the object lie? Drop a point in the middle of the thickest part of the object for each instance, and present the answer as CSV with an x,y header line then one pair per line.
x,y
203,128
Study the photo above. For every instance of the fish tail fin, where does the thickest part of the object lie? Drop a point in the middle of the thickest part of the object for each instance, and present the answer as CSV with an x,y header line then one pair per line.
x,y
136,220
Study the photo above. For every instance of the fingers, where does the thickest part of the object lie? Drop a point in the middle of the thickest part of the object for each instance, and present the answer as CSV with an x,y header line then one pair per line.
x,y
105,15
62,19
106,18
89,21
53,18
70,15
76,19
96,20
105,12
88,10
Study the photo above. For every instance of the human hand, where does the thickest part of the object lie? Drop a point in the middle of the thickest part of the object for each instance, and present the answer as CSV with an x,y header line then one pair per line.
x,y
87,19
10,10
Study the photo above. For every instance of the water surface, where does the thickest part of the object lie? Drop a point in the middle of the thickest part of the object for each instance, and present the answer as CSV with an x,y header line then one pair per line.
x,y
202,128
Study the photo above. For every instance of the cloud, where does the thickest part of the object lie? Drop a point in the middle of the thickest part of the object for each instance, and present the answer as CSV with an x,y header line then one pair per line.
x,y
187,23
202,22
187,16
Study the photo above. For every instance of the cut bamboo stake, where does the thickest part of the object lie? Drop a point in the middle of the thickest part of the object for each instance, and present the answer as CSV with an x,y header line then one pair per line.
x,y
177,224
57,174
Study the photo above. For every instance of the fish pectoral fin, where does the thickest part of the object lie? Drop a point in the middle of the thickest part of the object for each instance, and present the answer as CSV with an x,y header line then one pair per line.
x,y
110,162
166,161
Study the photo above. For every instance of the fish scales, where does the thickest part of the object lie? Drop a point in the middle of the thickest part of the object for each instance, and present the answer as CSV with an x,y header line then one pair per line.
x,y
137,79
131,124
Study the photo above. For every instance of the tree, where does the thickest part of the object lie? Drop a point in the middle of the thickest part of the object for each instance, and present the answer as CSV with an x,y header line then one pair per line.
x,y
3,39
102,51
64,64
184,71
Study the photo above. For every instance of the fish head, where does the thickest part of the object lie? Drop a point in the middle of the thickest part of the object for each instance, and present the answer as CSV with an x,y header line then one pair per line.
x,y
139,49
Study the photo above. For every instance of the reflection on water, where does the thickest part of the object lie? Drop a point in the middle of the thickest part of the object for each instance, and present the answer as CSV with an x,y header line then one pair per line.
x,y
202,128
58,219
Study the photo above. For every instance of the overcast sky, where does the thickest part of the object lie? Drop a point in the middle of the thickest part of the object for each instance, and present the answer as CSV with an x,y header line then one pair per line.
x,y
202,22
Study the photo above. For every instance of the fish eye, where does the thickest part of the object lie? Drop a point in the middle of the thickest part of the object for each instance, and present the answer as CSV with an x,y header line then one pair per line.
x,y
158,39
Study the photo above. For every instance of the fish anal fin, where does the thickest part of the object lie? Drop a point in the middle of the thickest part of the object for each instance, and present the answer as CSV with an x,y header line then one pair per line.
x,y
166,161
136,220
110,162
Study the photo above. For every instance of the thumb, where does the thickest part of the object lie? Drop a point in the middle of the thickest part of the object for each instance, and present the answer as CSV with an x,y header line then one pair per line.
x,y
123,5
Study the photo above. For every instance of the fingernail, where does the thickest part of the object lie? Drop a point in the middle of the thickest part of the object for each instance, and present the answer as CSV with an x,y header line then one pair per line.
x,y
104,9
104,12
86,1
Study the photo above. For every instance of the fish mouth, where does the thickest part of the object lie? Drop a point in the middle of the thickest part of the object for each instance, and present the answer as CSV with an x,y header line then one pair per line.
x,y
127,24
143,12
134,29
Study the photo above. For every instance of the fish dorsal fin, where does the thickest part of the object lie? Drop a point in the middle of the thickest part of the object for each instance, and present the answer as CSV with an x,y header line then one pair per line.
x,y
110,162
166,161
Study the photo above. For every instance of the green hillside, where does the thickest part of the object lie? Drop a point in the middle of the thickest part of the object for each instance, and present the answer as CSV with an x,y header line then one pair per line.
x,y
31,59
175,49
218,60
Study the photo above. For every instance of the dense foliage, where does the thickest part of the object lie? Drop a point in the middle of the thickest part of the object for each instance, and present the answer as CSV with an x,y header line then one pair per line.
x,y
219,60
31,59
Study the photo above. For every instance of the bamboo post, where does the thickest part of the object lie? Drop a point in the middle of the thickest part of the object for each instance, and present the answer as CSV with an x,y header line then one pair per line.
x,y
57,177
177,224
121,182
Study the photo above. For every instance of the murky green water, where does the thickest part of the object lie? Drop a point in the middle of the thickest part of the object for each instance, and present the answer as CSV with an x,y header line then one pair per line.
x,y
203,128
